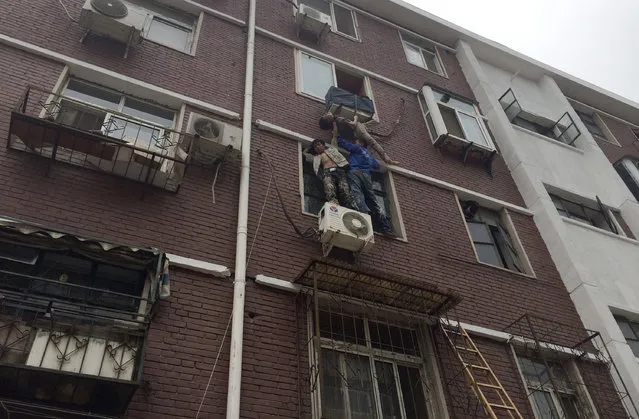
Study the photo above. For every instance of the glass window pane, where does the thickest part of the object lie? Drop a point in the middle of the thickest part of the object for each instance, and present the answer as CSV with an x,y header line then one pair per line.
x,y
81,117
385,377
634,345
94,95
333,386
148,112
321,5
625,327
479,232
431,60
140,136
412,393
342,327
450,120
414,55
569,404
166,33
344,21
534,372
361,402
545,405
380,335
488,253
316,76
473,130
452,101
17,253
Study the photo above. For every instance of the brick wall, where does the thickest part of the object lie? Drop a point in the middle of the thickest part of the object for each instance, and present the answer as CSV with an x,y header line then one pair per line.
x,y
624,135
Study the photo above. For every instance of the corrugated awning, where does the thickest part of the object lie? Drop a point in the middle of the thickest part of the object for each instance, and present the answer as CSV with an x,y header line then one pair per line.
x,y
378,287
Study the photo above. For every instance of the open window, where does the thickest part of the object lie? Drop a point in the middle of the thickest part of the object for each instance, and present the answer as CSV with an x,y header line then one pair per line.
x,y
493,238
421,53
597,127
343,19
590,212
563,129
628,169
168,26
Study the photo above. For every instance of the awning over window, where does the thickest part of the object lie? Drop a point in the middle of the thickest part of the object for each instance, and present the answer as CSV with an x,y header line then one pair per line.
x,y
378,287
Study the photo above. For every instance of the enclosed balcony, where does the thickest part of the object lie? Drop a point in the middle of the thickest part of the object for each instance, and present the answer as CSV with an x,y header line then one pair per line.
x,y
74,315
97,128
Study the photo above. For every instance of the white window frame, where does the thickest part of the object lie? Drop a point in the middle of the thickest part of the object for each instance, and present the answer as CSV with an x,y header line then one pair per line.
x,y
440,126
396,218
334,22
194,30
426,364
435,51
109,113
299,80
607,137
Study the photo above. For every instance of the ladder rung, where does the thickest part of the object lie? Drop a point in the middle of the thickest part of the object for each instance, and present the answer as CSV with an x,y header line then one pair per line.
x,y
463,348
490,385
479,367
502,406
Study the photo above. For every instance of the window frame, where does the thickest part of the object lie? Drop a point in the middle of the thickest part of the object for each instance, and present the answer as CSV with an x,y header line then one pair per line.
x,y
396,218
193,29
426,95
109,113
606,135
607,214
333,25
424,362
505,220
633,325
441,71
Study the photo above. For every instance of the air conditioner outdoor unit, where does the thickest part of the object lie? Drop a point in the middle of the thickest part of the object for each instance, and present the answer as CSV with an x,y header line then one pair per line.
x,y
345,228
213,139
312,20
114,19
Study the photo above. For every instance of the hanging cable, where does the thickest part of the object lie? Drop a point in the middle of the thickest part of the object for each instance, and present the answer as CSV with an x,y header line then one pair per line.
x,y
217,357
74,20
310,232
217,171
259,221
402,111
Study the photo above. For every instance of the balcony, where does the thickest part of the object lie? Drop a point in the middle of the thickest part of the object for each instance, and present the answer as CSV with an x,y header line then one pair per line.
x,y
62,127
73,322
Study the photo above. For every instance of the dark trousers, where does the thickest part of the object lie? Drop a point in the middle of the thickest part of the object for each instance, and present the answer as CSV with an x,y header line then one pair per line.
x,y
364,196
336,187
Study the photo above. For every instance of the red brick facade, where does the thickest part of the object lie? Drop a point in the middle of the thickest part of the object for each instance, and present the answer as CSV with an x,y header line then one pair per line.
x,y
189,328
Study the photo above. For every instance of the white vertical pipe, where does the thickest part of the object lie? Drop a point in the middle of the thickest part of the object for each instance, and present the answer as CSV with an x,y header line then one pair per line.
x,y
239,285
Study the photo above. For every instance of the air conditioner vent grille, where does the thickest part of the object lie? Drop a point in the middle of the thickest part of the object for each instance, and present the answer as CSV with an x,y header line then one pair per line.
x,y
112,8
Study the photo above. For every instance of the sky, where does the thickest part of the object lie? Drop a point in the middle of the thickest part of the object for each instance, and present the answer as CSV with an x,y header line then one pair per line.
x,y
595,40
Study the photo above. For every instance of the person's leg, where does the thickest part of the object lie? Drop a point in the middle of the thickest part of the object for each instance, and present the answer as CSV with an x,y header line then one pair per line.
x,y
330,190
355,185
377,213
363,134
344,190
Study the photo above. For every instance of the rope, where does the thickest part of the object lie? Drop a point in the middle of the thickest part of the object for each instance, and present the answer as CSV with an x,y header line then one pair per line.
x,y
259,222
74,20
217,357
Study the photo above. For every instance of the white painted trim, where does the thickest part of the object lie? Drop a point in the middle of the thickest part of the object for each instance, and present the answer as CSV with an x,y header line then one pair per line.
x,y
198,265
486,200
597,110
196,34
277,283
599,230
341,63
609,136
73,62
197,6
436,51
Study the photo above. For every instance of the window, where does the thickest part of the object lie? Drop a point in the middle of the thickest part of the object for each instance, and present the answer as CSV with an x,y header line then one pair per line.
x,y
491,239
314,199
563,130
630,330
315,76
448,117
421,53
370,369
596,215
596,127
70,277
343,19
550,401
92,108
628,170
167,26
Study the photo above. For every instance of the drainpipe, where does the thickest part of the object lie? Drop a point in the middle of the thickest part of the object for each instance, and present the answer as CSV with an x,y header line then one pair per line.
x,y
239,285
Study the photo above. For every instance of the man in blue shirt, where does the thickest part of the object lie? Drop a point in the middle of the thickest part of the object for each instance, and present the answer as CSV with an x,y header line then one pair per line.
x,y
359,178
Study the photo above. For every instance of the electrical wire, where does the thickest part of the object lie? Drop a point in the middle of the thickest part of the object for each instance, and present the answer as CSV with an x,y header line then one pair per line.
x,y
259,222
398,121
293,3
310,232
74,20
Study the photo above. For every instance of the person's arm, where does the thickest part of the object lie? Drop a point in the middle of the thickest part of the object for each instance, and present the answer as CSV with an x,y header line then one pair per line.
x,y
335,135
307,155
347,145
374,163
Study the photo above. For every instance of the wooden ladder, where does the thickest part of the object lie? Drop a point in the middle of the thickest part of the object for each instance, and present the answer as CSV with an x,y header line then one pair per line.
x,y
485,384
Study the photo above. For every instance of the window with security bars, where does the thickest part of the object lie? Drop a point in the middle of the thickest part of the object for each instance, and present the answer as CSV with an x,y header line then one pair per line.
x,y
493,242
630,330
370,369
551,392
598,216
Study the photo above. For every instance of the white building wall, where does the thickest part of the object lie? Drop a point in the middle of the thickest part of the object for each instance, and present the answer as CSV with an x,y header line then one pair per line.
x,y
600,269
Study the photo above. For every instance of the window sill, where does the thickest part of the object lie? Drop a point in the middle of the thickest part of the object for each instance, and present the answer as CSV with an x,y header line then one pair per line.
x,y
343,35
444,75
599,230
189,53
398,238
477,262
309,96
550,140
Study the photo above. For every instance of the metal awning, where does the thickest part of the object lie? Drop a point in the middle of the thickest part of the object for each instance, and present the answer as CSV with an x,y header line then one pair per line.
x,y
378,287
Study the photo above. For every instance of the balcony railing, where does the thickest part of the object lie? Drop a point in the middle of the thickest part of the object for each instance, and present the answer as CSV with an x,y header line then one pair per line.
x,y
66,130
69,347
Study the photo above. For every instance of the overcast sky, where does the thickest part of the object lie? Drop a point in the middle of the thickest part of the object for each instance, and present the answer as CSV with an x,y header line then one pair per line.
x,y
595,40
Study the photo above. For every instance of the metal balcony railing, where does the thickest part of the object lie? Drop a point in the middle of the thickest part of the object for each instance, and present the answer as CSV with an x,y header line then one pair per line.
x,y
64,129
